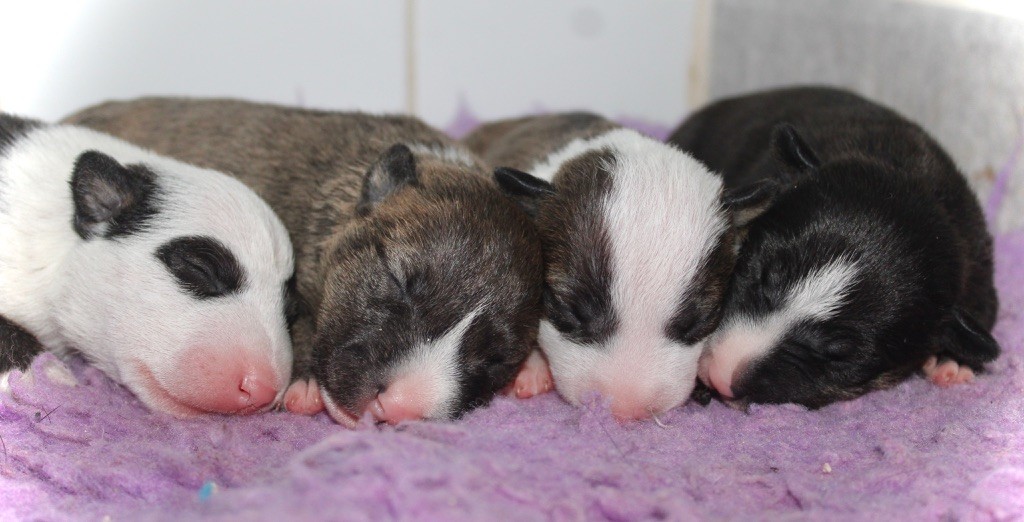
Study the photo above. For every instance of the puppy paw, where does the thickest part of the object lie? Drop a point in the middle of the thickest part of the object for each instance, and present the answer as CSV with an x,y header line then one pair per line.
x,y
534,377
946,372
303,397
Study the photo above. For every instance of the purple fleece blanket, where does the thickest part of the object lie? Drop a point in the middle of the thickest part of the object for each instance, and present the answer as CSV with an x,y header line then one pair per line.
x,y
915,452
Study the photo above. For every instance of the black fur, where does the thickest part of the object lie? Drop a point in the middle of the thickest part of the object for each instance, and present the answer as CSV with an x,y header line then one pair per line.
x,y
111,200
578,305
17,346
202,266
857,182
577,293
13,128
294,305
527,189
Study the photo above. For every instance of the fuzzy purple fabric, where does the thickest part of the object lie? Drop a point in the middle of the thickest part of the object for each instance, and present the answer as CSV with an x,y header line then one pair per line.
x,y
915,452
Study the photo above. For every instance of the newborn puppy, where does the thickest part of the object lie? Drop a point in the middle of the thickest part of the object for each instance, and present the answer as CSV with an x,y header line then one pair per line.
x,y
638,243
871,264
168,277
423,278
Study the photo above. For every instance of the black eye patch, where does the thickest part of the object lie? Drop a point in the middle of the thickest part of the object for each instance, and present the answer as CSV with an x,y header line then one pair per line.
x,y
294,305
202,266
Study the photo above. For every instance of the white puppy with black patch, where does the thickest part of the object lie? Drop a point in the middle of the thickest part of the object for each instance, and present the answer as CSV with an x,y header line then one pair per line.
x,y
170,278
638,244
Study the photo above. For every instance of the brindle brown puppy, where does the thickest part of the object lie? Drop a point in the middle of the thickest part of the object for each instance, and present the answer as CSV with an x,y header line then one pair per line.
x,y
421,279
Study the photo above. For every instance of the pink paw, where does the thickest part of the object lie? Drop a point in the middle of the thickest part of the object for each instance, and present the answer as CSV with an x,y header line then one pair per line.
x,y
303,397
534,377
947,373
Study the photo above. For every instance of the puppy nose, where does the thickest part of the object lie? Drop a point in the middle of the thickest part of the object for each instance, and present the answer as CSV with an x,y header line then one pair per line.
x,y
257,390
245,389
630,402
630,410
226,382
402,400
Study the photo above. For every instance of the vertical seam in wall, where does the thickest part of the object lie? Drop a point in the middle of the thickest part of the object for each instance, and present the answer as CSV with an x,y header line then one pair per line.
x,y
410,56
699,76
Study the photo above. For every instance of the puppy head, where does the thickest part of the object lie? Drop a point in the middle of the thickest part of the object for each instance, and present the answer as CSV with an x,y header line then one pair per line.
x,y
638,250
176,281
845,285
432,296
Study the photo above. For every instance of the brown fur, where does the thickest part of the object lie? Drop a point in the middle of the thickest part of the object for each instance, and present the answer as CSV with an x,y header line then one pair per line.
x,y
521,142
451,224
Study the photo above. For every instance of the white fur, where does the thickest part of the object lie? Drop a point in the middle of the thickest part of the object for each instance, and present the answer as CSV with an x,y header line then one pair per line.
x,y
819,296
113,300
449,154
664,218
435,367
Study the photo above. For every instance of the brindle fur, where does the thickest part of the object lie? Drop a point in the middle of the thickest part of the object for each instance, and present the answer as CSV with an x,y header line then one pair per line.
x,y
521,142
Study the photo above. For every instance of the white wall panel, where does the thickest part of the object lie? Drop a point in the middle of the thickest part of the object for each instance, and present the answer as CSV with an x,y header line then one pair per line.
x,y
58,56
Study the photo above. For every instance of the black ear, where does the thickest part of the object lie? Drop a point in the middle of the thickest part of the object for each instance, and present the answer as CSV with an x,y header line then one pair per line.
x,y
395,169
750,201
970,343
110,199
790,149
525,188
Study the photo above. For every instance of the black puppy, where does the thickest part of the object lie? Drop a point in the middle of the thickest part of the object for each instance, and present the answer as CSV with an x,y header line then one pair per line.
x,y
871,263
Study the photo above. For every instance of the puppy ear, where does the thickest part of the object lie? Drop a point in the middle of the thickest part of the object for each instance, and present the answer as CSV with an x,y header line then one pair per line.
x,y
792,151
748,202
109,198
526,189
969,343
394,169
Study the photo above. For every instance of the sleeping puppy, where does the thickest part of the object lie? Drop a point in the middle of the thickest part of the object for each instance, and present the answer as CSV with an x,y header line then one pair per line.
x,y
169,278
872,263
422,278
638,244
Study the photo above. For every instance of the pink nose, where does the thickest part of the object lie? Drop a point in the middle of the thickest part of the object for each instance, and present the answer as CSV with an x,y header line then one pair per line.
x,y
402,400
630,403
630,410
229,381
256,390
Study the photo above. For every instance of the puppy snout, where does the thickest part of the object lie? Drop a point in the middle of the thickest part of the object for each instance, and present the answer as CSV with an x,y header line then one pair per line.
x,y
403,399
225,381
630,402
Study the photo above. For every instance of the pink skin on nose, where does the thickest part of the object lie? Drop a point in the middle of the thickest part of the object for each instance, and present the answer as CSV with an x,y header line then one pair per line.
x,y
630,408
222,381
402,400
630,402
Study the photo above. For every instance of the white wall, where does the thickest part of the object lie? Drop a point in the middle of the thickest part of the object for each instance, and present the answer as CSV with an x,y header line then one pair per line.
x,y
953,65
501,58
59,56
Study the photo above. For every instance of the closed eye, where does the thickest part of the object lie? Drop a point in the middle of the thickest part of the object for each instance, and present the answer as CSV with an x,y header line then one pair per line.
x,y
202,266
566,318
